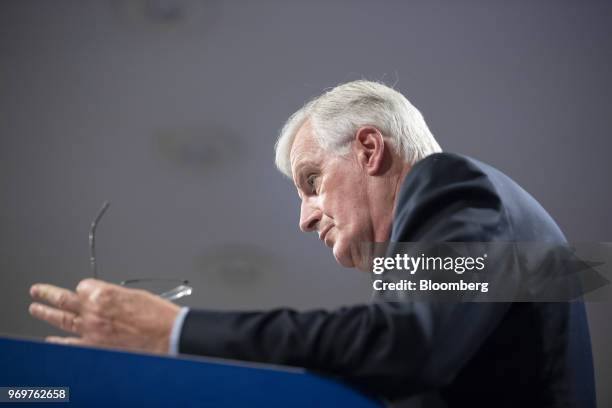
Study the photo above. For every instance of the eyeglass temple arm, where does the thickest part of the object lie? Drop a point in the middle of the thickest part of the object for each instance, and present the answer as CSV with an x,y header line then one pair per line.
x,y
92,238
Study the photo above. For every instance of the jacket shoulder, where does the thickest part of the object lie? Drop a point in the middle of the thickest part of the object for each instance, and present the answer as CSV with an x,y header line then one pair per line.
x,y
451,190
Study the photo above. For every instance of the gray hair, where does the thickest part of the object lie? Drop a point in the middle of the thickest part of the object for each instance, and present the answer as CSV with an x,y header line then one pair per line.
x,y
336,115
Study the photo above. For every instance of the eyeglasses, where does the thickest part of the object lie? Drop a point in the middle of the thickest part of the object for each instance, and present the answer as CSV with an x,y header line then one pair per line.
x,y
181,289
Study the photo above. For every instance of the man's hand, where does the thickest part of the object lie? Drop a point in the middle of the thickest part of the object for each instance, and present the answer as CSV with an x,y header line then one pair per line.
x,y
108,315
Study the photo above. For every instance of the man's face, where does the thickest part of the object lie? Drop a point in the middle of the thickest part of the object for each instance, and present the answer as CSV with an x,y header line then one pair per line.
x,y
334,197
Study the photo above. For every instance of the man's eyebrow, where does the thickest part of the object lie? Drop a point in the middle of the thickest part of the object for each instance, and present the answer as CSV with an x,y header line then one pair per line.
x,y
306,167
299,168
298,176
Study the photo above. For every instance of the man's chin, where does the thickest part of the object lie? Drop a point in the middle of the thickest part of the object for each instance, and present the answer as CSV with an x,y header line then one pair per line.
x,y
343,256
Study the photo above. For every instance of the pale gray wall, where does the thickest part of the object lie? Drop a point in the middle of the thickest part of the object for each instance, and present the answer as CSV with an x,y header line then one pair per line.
x,y
98,99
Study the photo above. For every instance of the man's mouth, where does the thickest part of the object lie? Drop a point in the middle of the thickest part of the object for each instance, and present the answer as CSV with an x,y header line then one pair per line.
x,y
324,232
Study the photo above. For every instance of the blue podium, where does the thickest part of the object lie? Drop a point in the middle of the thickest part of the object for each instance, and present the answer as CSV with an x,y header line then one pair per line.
x,y
104,378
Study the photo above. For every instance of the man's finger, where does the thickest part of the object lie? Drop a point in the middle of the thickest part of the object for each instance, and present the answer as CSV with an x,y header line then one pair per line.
x,y
62,319
66,340
100,297
59,297
89,285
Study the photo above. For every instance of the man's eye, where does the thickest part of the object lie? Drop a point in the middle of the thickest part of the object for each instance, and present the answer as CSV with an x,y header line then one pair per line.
x,y
311,180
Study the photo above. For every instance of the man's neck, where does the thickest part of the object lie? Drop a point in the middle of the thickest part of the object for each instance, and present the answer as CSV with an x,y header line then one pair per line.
x,y
383,210
398,185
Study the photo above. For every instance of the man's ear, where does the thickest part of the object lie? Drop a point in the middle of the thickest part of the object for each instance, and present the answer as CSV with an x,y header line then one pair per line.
x,y
370,148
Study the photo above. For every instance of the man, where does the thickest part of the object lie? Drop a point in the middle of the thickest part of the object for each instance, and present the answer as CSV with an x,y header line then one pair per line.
x,y
367,169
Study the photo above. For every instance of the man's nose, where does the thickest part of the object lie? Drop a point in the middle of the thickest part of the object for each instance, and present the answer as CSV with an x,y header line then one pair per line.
x,y
310,216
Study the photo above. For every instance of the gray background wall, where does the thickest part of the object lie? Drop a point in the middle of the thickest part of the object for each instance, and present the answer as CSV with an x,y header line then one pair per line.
x,y
169,109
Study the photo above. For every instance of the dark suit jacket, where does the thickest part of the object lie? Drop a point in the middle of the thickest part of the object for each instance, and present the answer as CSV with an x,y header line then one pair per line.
x,y
468,354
